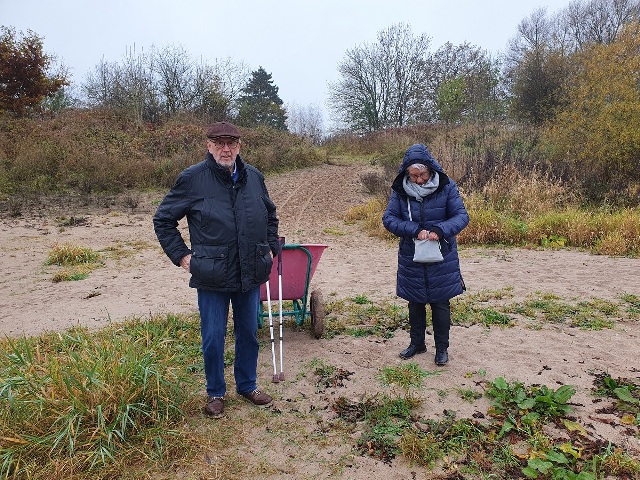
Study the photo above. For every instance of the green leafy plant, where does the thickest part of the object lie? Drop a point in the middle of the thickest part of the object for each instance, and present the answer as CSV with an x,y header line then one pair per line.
x,y
633,302
558,463
492,317
522,407
361,299
468,394
625,391
553,241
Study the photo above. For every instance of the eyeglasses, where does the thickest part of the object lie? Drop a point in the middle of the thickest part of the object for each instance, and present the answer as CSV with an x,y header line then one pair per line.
x,y
426,175
222,143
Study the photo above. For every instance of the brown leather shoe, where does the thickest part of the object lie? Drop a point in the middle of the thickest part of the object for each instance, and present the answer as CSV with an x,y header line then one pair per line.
x,y
258,398
214,407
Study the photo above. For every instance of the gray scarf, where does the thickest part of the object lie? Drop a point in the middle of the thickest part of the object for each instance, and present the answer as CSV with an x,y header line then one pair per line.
x,y
420,191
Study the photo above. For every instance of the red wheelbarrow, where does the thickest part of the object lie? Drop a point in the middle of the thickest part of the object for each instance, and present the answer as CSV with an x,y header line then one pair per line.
x,y
298,263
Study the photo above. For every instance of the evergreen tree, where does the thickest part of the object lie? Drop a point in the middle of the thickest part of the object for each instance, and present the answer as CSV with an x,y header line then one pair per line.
x,y
260,104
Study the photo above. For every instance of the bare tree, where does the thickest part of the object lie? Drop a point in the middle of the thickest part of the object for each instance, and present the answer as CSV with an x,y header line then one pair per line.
x,y
598,21
306,122
163,83
128,86
98,84
233,77
535,69
211,101
381,83
176,75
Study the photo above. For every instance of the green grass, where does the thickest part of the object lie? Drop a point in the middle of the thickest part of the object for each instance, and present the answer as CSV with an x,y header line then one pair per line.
x,y
593,314
358,317
77,262
405,377
119,402
92,400
361,317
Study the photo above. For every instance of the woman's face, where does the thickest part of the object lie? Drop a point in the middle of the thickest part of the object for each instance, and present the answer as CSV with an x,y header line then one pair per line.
x,y
419,176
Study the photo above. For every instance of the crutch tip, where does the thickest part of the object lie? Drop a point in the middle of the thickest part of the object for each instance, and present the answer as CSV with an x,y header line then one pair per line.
x,y
281,376
276,378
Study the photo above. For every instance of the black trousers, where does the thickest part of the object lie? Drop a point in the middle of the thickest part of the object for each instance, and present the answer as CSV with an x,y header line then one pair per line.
x,y
440,318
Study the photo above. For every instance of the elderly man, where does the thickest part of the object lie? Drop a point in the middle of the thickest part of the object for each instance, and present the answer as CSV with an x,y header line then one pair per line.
x,y
233,231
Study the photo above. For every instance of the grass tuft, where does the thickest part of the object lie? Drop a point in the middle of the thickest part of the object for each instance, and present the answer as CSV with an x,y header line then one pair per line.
x,y
89,400
66,255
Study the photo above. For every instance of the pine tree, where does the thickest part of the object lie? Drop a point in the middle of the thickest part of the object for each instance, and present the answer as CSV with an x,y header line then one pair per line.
x,y
260,104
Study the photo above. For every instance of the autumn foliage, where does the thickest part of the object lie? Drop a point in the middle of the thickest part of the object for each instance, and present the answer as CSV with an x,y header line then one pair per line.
x,y
24,82
597,127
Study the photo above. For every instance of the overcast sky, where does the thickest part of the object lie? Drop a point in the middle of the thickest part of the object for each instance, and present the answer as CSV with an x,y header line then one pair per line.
x,y
300,42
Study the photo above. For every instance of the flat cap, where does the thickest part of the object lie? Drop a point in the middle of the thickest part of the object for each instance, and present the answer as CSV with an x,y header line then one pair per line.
x,y
222,129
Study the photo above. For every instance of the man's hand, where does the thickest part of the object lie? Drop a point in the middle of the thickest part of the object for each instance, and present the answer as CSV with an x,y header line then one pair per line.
x,y
186,262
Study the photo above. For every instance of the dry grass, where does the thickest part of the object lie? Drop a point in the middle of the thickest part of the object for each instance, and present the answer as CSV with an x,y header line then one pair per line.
x,y
516,208
67,254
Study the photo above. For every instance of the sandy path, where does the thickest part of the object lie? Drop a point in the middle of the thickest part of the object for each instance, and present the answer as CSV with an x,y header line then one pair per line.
x,y
310,205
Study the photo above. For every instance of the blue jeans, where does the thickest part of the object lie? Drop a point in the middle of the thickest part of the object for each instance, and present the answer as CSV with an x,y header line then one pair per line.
x,y
214,311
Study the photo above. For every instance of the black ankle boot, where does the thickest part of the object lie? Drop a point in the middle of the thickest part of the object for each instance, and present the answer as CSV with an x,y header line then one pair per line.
x,y
442,357
412,350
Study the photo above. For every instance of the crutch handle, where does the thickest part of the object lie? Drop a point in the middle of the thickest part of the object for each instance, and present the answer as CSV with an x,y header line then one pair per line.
x,y
281,241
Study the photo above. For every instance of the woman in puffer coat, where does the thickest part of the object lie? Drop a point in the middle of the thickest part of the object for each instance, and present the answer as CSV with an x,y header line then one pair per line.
x,y
437,213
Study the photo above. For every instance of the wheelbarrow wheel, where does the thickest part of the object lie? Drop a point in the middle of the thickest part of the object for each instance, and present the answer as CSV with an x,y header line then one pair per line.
x,y
317,313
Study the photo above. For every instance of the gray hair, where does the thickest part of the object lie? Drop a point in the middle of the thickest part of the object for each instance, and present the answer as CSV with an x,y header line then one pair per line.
x,y
420,166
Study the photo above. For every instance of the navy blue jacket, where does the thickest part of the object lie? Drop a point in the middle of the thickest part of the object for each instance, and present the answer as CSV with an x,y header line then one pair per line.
x,y
442,212
233,227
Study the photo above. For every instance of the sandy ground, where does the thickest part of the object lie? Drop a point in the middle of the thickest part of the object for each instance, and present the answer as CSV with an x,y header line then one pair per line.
x,y
138,280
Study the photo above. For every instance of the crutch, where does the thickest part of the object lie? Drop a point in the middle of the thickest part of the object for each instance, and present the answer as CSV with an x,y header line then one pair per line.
x,y
280,304
273,345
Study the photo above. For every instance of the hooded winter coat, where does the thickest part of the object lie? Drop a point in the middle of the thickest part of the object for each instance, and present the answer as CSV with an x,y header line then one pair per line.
x,y
442,212
233,227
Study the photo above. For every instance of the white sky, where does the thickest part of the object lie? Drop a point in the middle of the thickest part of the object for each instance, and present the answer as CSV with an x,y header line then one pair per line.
x,y
300,42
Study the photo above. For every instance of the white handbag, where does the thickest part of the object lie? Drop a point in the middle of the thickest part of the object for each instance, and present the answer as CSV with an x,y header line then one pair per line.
x,y
426,251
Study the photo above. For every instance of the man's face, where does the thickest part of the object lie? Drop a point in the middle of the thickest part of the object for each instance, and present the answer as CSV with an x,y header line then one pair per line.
x,y
224,150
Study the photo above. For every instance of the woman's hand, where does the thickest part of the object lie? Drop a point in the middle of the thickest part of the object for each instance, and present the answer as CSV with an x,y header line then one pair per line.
x,y
427,235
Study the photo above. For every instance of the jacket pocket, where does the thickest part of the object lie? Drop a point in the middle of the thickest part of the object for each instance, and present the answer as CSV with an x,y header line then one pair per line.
x,y
210,264
264,262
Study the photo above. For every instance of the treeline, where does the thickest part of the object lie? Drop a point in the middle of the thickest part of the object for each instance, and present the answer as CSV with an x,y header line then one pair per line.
x,y
563,101
398,80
